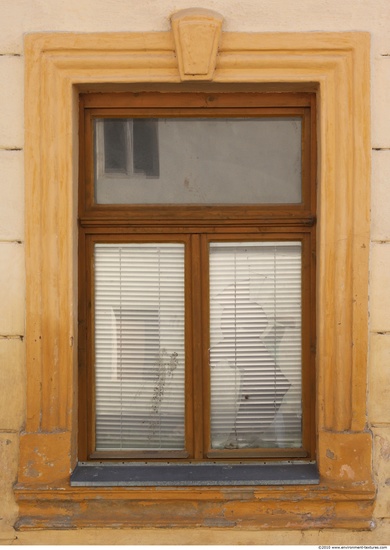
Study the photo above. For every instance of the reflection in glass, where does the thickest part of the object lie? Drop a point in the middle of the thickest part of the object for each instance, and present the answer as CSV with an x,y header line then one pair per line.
x,y
255,344
198,161
116,144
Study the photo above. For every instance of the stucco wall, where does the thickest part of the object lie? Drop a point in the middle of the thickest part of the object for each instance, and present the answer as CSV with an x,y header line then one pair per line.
x,y
18,17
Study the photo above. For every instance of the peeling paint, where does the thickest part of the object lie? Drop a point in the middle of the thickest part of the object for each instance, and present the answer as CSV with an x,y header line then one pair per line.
x,y
330,454
384,448
346,469
279,511
233,494
218,522
30,470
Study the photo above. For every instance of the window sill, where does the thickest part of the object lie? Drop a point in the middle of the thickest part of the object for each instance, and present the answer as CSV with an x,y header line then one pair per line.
x,y
304,505
87,474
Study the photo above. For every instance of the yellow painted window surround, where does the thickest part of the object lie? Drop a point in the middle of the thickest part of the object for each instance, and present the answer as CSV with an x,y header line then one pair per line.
x,y
58,68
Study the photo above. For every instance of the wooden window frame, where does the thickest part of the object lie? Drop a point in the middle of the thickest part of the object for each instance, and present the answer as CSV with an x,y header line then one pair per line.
x,y
136,223
58,68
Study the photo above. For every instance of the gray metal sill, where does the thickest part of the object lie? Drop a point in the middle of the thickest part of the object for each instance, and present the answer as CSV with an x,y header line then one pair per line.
x,y
133,474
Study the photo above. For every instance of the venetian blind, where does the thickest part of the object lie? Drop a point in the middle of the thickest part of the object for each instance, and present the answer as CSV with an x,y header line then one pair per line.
x,y
255,344
139,346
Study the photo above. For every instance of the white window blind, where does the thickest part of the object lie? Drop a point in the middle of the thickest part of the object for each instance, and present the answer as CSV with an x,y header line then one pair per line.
x,y
255,344
139,346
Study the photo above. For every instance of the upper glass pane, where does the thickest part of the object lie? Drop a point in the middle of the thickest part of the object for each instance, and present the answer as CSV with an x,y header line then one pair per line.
x,y
198,161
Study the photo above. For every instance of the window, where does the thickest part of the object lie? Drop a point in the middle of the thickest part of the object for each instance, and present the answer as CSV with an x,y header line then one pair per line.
x,y
333,65
197,276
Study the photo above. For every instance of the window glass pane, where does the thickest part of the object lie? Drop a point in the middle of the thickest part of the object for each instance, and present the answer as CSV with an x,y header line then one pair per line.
x,y
255,344
202,161
115,146
139,346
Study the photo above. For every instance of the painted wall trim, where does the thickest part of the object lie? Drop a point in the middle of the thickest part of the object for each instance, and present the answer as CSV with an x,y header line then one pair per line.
x,y
58,67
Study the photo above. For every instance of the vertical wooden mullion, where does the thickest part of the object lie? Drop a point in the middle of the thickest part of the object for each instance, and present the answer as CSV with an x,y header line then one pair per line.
x,y
190,299
83,385
313,343
306,162
313,154
86,374
88,171
205,303
197,352
83,388
309,390
91,372
308,345
313,279
83,160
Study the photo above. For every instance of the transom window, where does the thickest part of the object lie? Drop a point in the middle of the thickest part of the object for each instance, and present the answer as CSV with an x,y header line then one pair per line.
x,y
197,276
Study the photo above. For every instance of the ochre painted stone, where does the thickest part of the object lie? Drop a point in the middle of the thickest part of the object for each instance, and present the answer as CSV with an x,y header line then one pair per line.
x,y
197,33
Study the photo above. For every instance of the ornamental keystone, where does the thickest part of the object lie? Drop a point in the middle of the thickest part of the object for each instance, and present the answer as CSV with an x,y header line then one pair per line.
x,y
196,33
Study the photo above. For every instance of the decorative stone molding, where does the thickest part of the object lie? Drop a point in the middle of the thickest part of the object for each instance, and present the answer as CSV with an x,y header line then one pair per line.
x,y
58,66
197,33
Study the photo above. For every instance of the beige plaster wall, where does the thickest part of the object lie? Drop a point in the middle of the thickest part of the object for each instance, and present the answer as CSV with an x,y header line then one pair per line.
x,y
18,17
